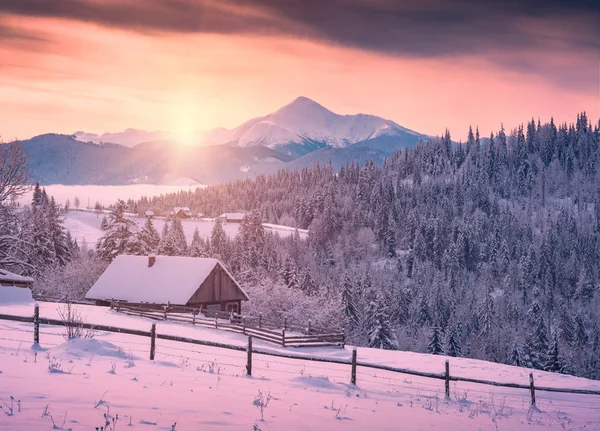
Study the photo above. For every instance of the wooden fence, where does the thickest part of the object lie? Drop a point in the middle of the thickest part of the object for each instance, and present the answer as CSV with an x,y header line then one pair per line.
x,y
354,363
269,330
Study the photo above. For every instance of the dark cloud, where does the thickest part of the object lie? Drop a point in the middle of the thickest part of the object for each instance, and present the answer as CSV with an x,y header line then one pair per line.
x,y
415,28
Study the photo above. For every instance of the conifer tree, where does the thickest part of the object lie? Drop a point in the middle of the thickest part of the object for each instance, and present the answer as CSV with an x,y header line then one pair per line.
x,y
120,235
198,247
148,237
348,301
435,342
380,333
218,240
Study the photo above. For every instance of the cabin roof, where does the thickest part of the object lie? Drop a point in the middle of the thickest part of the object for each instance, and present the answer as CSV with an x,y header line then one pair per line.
x,y
172,279
15,278
233,216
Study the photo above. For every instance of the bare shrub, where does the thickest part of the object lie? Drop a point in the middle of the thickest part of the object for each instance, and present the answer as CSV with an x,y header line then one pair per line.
x,y
73,322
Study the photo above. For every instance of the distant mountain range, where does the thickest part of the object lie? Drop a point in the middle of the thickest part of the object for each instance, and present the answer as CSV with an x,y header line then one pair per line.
x,y
297,135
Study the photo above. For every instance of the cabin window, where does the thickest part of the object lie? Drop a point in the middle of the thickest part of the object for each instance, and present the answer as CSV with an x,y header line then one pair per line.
x,y
232,307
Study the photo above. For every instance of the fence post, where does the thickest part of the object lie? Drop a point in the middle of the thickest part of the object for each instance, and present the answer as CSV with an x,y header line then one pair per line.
x,y
244,325
36,323
353,378
447,379
532,389
165,311
112,305
309,326
216,323
194,317
152,341
259,320
285,322
249,364
282,337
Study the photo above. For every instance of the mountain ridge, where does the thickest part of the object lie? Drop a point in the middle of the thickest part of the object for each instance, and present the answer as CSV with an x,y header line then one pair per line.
x,y
297,135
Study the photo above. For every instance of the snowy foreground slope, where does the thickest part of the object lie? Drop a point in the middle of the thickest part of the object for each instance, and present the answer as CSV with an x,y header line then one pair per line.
x,y
203,388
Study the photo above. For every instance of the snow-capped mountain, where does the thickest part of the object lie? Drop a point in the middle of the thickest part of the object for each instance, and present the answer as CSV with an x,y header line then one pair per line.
x,y
127,138
306,121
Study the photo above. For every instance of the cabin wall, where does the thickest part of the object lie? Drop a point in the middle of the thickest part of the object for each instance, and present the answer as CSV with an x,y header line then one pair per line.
x,y
218,287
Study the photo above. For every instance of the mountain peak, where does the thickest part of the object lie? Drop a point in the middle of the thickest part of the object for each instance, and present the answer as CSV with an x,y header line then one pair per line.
x,y
303,107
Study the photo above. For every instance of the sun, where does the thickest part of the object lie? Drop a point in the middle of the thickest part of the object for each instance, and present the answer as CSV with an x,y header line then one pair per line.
x,y
184,123
185,131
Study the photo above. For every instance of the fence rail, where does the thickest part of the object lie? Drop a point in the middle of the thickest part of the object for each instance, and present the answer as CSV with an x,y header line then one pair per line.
x,y
269,330
250,350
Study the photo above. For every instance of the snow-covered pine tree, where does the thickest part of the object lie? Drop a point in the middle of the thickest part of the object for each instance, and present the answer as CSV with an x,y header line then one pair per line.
x,y
434,346
118,235
148,237
554,359
453,341
198,246
163,238
219,243
62,247
516,356
379,330
348,302
176,244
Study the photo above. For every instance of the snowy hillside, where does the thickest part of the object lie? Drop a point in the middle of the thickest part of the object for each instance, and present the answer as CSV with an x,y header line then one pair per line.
x,y
304,119
85,225
73,385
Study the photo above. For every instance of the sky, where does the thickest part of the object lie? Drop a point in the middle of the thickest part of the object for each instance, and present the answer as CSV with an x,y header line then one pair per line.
x,y
181,65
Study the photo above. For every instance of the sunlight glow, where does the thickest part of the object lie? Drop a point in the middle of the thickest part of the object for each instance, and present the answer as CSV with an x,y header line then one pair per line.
x,y
184,123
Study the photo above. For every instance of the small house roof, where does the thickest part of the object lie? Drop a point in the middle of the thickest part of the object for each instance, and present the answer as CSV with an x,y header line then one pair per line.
x,y
149,213
14,278
184,209
171,279
233,216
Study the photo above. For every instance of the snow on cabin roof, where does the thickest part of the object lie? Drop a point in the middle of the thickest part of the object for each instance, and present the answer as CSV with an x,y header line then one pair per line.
x,y
233,216
171,279
184,209
12,277
149,212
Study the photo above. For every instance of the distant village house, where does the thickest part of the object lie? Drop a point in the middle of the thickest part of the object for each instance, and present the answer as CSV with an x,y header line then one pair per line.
x,y
176,280
149,213
182,212
232,217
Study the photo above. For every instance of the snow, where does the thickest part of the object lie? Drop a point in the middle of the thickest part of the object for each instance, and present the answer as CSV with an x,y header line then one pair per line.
x,y
171,279
12,277
200,387
127,138
86,225
106,195
15,295
305,119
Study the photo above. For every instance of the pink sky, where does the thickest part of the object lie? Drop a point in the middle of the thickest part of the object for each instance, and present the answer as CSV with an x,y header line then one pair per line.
x,y
73,75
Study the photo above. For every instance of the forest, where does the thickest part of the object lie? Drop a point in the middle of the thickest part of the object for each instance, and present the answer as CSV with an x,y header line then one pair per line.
x,y
486,249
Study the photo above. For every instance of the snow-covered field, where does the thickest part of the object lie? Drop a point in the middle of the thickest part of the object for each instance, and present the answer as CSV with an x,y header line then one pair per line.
x,y
86,225
203,388
106,195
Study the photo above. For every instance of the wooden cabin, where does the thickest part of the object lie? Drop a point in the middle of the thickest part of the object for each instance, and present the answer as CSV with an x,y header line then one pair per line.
x,y
162,280
8,278
182,212
232,217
